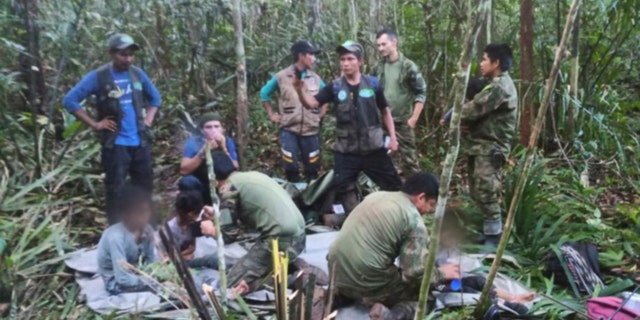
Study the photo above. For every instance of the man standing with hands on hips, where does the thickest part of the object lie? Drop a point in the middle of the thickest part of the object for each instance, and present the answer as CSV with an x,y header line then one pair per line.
x,y
126,103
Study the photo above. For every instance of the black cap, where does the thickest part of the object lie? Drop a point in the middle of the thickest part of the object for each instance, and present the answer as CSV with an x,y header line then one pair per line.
x,y
121,41
303,46
352,47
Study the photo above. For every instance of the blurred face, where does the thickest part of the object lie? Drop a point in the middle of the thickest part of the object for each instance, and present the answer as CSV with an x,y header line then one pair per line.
x,y
308,60
424,204
139,215
349,64
211,129
123,59
386,46
489,68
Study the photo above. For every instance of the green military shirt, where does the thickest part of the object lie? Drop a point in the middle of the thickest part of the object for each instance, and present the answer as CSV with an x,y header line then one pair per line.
x,y
403,86
385,226
261,205
491,118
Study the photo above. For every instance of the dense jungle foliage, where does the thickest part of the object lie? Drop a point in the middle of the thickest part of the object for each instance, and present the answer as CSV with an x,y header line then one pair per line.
x,y
584,184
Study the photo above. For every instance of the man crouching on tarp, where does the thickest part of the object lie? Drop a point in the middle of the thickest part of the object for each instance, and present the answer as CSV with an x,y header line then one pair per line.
x,y
130,240
254,201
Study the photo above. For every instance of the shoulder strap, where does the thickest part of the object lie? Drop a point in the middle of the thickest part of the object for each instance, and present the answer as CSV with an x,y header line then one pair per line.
x,y
135,74
104,79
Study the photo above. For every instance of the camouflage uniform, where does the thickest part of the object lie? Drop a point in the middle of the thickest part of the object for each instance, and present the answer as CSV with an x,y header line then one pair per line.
x,y
403,86
263,206
491,119
385,226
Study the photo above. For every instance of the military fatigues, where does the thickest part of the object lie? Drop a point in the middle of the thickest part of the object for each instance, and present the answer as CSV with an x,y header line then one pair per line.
x,y
299,127
385,226
491,119
403,86
262,205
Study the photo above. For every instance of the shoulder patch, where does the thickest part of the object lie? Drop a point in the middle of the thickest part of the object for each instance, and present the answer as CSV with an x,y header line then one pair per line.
x,y
366,93
342,95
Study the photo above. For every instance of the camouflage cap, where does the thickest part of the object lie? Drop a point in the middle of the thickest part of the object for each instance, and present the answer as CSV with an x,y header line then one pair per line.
x,y
351,47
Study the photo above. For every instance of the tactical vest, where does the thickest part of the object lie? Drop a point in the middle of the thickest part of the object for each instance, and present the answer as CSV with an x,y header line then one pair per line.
x,y
358,124
295,117
110,106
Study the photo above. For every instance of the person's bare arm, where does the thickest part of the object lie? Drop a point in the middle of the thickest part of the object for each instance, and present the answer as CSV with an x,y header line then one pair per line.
x,y
387,119
151,114
104,124
274,116
189,165
307,100
417,110
323,110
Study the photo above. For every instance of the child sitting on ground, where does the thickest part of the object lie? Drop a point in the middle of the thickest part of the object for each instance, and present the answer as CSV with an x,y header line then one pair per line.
x,y
130,241
188,208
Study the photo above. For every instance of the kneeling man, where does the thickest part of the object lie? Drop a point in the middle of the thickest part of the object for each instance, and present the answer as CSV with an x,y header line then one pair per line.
x,y
386,226
252,200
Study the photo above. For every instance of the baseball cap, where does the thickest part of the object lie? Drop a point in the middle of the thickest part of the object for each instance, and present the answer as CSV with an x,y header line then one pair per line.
x,y
352,47
303,46
121,41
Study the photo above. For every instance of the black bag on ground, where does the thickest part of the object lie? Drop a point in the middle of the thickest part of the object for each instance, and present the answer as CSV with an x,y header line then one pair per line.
x,y
575,265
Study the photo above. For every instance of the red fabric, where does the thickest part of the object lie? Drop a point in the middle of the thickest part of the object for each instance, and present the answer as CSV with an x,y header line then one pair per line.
x,y
605,307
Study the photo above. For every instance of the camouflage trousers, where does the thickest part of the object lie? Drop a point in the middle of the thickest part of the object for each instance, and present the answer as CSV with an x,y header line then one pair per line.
x,y
406,159
485,186
257,264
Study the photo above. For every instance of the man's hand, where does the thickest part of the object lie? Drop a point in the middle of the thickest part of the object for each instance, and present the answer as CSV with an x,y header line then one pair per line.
x,y
207,228
450,271
393,145
106,124
412,122
275,117
297,83
207,213
148,122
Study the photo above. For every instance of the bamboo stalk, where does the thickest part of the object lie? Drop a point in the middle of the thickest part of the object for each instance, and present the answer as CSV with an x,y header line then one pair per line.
x,y
458,91
217,307
222,269
530,155
330,291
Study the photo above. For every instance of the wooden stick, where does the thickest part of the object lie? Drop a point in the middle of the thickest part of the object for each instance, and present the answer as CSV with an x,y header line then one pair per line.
x,y
183,272
530,155
151,280
216,221
330,291
309,295
209,292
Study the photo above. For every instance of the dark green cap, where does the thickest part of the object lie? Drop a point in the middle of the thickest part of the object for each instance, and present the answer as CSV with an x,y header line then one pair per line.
x,y
209,116
121,41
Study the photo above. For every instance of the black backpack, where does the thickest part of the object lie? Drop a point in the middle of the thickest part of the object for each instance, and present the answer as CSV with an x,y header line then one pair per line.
x,y
575,265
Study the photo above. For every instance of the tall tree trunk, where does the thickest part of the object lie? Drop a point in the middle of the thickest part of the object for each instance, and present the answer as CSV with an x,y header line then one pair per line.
x,y
574,76
354,20
526,68
374,25
530,155
314,17
459,87
241,82
31,69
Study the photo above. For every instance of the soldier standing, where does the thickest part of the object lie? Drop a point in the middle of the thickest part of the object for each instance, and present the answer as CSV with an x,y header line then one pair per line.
x,y
488,124
405,89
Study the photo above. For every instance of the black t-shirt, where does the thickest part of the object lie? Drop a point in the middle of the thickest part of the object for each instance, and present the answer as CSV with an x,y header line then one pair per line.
x,y
327,95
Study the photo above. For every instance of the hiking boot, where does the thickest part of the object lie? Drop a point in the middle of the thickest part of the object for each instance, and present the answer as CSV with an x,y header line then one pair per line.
x,y
491,242
333,220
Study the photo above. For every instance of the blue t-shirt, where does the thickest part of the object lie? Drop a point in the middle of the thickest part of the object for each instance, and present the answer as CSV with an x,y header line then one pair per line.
x,y
128,135
194,144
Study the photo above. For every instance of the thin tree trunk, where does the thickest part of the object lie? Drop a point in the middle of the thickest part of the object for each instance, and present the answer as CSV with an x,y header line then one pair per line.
x,y
530,155
574,76
241,82
314,17
459,87
354,20
526,68
216,220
